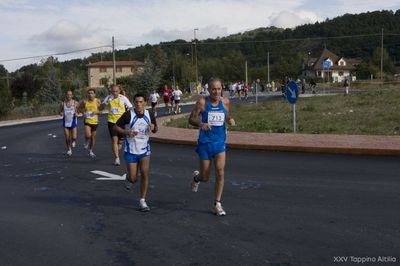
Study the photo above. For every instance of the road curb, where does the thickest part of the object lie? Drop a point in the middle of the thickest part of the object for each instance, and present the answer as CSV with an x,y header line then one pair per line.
x,y
287,142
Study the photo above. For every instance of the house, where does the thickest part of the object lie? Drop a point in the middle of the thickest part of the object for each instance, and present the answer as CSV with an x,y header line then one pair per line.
x,y
336,68
101,73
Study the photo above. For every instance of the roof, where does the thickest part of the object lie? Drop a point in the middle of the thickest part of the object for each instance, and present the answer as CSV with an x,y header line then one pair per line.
x,y
133,63
350,62
325,54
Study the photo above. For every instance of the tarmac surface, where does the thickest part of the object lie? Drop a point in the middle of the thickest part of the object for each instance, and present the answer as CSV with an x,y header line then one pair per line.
x,y
283,208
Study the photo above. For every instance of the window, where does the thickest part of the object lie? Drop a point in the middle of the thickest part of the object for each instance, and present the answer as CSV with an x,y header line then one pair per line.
x,y
119,69
103,69
103,81
340,73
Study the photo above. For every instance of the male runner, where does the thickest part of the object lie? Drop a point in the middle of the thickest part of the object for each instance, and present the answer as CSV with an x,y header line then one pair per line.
x,y
154,100
116,104
210,114
68,110
90,109
136,124
176,94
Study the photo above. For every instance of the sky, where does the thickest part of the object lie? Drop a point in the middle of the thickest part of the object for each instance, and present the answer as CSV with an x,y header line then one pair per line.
x,y
44,27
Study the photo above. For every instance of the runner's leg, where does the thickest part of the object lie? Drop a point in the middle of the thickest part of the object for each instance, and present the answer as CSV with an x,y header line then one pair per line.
x,y
219,161
144,165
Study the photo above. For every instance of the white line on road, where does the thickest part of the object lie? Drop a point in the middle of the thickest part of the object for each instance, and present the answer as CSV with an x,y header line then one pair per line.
x,y
108,176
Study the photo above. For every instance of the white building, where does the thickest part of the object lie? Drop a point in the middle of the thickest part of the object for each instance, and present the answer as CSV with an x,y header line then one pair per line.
x,y
340,67
101,73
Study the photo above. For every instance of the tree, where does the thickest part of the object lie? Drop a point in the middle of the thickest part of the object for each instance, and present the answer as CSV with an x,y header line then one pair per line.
x,y
143,82
51,91
5,95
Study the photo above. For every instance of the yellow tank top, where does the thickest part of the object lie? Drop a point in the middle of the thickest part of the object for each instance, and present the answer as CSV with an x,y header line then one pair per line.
x,y
90,108
116,110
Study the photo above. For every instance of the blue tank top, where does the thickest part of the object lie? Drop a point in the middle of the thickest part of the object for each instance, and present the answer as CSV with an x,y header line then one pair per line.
x,y
216,117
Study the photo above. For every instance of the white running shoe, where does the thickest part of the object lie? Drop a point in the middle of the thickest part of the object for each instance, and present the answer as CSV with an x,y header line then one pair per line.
x,y
179,110
117,162
195,184
155,114
119,147
143,206
86,145
218,210
91,154
69,153
73,144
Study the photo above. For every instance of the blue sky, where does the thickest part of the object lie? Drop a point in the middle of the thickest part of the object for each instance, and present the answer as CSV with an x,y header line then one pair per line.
x,y
44,27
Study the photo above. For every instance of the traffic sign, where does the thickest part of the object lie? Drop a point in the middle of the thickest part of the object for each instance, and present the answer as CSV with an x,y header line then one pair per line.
x,y
326,64
292,92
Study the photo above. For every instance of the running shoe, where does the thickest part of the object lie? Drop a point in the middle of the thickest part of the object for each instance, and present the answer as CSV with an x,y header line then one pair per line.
x,y
218,210
73,144
119,146
195,184
117,162
86,145
69,153
143,206
91,154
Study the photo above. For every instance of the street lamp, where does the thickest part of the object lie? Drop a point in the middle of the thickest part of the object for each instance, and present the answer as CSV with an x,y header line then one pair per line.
x,y
195,53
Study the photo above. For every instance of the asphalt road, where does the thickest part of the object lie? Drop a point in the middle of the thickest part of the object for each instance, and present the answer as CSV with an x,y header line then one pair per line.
x,y
282,208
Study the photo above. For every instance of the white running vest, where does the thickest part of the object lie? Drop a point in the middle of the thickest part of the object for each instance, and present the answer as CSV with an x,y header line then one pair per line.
x,y
69,114
138,144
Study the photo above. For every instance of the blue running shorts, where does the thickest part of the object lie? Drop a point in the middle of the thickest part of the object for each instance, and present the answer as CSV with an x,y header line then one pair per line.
x,y
135,158
207,151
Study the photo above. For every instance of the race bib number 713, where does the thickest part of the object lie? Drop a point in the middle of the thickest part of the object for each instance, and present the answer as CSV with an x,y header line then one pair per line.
x,y
216,118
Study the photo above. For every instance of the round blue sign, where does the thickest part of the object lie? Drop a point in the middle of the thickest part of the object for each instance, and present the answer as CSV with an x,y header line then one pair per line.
x,y
292,92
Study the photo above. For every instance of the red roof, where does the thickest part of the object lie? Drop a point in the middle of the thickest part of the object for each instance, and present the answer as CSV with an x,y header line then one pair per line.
x,y
133,63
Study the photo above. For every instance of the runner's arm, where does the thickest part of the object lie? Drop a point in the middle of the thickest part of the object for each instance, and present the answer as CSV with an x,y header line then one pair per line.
x,y
121,122
229,117
194,118
153,122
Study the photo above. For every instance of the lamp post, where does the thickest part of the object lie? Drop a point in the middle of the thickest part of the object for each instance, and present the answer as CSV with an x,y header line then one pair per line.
x,y
195,53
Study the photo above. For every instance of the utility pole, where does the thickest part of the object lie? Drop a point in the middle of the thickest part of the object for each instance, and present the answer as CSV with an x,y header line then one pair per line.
x,y
114,64
8,82
195,53
268,66
245,72
382,56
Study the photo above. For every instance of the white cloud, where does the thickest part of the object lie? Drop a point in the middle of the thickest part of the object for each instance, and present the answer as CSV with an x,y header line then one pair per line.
x,y
66,35
43,26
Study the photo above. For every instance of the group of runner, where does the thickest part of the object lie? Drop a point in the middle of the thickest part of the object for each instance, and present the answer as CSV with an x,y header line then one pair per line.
x,y
172,98
133,123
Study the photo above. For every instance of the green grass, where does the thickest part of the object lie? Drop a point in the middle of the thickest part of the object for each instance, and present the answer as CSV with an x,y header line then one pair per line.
x,y
372,112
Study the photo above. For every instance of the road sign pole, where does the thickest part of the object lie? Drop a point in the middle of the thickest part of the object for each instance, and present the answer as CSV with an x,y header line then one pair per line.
x,y
294,118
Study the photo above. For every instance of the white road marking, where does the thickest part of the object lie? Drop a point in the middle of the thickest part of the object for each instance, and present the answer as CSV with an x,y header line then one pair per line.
x,y
108,176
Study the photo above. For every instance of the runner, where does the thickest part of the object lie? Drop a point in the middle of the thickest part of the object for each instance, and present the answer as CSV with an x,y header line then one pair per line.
x,y
68,110
136,125
116,104
166,97
90,109
210,114
154,101
176,95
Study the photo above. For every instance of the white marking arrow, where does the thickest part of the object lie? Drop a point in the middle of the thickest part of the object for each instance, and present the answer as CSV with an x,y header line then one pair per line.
x,y
108,176
293,94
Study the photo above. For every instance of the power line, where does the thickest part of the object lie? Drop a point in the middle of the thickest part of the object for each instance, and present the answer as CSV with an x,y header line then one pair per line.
x,y
60,53
219,42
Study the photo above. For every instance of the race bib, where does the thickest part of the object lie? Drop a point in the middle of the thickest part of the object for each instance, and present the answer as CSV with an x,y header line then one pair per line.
x,y
69,115
216,119
114,110
89,114
142,131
